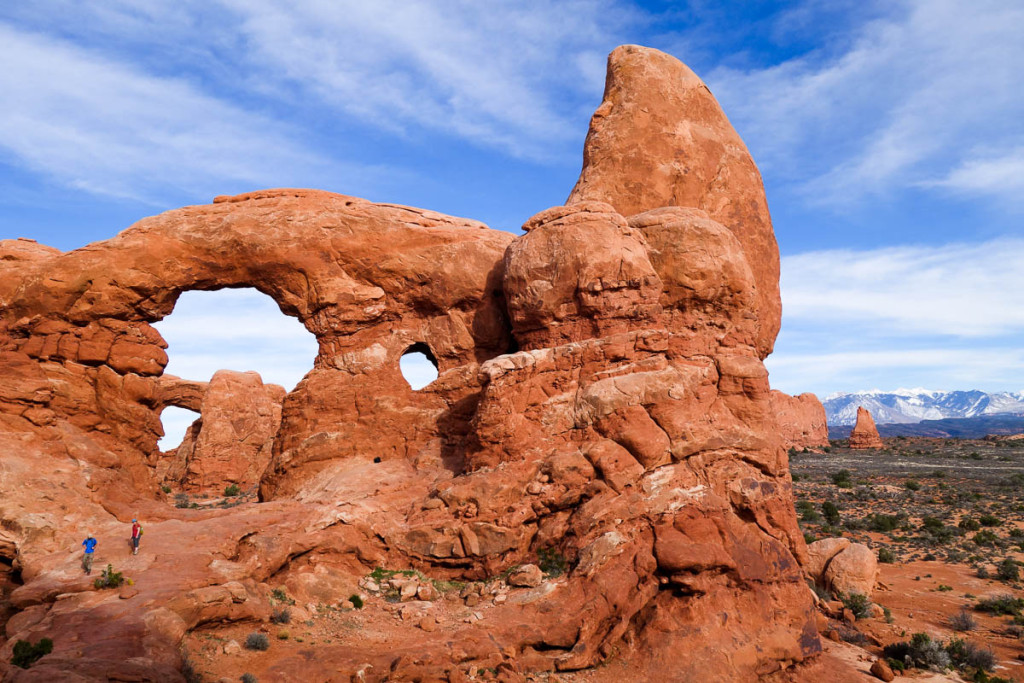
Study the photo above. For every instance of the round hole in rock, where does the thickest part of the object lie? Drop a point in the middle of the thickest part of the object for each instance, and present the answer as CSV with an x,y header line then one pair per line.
x,y
231,329
418,365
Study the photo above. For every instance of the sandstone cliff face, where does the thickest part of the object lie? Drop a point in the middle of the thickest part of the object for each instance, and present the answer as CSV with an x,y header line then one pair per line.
x,y
802,422
865,433
601,397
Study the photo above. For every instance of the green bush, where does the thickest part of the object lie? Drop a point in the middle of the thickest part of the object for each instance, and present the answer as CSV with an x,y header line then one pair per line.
x,y
831,512
883,523
912,485
281,616
858,603
920,651
356,601
551,562
25,654
1008,570
1000,605
843,479
109,578
257,641
249,678
962,621
989,520
279,595
969,524
181,500
886,556
232,491
985,537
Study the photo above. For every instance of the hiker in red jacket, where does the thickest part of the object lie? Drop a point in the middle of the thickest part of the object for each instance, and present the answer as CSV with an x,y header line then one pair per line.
x,y
136,536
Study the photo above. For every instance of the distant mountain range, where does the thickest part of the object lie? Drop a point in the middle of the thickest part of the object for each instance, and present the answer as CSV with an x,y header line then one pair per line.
x,y
948,427
909,406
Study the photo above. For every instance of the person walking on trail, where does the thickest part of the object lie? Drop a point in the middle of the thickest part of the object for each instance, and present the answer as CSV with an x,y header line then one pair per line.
x,y
136,536
90,546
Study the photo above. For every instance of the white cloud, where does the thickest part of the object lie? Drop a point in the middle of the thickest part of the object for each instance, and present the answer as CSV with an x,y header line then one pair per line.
x,y
956,290
105,127
496,73
236,329
910,100
999,175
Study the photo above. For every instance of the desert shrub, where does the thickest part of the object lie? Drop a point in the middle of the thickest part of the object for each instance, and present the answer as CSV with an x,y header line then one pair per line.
x,y
165,488
883,523
181,500
249,678
964,654
232,491
985,537
1016,533
858,603
843,479
920,651
831,513
982,572
551,562
807,511
998,605
257,641
886,556
969,524
25,654
809,537
943,588
963,621
356,601
281,616
109,578
989,520
283,634
939,474
896,664
281,596
1008,570
931,524
912,485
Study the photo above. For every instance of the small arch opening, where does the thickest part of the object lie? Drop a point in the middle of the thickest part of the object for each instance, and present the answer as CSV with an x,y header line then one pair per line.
x,y
176,422
418,366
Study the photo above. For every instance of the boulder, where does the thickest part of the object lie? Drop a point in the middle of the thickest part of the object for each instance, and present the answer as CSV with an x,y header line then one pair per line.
x,y
853,570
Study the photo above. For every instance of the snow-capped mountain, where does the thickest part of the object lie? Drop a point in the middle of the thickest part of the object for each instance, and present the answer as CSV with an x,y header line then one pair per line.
x,y
914,405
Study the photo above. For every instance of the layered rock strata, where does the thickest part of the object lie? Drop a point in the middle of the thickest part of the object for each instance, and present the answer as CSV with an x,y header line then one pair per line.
x,y
601,399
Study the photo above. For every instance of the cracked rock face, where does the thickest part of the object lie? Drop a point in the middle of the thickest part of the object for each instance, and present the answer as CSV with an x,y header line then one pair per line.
x,y
601,399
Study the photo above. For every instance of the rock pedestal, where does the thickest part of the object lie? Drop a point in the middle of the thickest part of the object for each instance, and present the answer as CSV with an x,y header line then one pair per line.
x,y
865,433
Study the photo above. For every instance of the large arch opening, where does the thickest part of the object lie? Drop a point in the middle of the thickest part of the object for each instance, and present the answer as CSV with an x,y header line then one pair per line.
x,y
230,329
418,366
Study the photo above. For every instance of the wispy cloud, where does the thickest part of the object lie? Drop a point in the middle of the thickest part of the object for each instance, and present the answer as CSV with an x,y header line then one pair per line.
x,y
946,316
107,128
915,96
957,290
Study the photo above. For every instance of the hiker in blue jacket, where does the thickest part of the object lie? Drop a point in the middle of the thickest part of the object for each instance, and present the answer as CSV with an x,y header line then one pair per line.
x,y
90,545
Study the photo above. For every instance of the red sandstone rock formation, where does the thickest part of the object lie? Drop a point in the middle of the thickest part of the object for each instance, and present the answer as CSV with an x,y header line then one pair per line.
x,y
801,420
601,397
865,433
232,440
670,144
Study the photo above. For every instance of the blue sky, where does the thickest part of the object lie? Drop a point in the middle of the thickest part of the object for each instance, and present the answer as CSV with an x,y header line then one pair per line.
x,y
889,135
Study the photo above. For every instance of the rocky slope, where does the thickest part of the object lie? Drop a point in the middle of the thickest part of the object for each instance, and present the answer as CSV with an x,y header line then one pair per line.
x,y
601,400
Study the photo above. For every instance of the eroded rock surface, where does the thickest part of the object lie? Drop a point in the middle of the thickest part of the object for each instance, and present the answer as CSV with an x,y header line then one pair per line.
x,y
601,400
865,433
801,419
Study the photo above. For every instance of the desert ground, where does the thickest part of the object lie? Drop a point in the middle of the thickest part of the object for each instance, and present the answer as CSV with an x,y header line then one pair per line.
x,y
946,517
